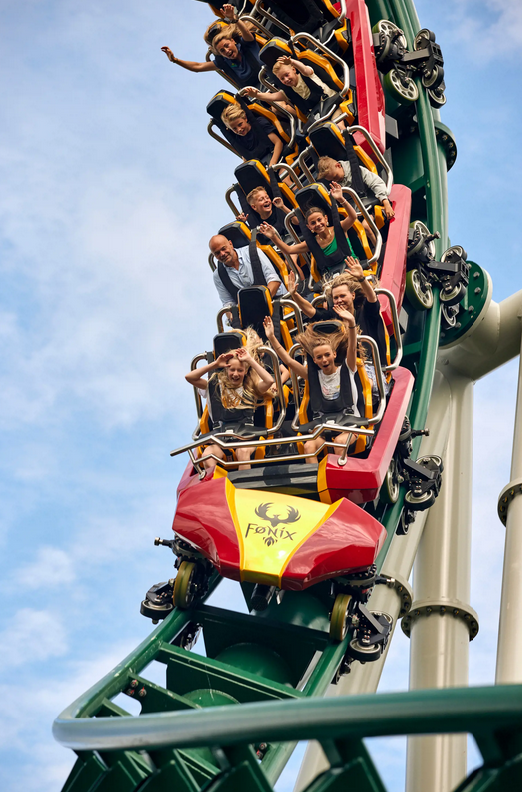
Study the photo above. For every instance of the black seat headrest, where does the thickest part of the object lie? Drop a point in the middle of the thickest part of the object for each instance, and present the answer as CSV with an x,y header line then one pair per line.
x,y
314,195
274,49
328,326
252,174
225,342
220,102
328,141
238,233
254,304
214,29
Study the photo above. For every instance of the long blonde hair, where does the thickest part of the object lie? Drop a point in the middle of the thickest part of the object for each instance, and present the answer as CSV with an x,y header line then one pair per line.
x,y
312,338
250,395
338,341
226,32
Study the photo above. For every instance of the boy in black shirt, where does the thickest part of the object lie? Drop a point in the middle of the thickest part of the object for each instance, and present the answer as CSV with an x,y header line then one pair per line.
x,y
267,210
258,141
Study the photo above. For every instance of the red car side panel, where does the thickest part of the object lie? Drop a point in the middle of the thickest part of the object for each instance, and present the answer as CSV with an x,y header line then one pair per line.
x,y
349,540
393,275
370,95
203,518
360,479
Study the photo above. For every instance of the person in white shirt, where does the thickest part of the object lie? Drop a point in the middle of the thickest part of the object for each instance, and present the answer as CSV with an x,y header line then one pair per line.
x,y
324,352
234,271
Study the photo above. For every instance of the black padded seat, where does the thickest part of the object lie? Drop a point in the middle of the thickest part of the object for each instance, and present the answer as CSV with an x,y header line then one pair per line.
x,y
295,478
225,342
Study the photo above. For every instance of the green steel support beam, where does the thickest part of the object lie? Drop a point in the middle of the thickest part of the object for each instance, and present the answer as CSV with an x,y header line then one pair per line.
x,y
489,713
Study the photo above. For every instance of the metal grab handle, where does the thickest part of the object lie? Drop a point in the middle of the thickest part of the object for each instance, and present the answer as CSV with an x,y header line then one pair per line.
x,y
219,318
301,160
262,77
293,233
380,385
266,15
230,203
331,56
380,379
279,385
194,364
256,23
396,329
364,132
219,139
369,219
297,315
290,227
286,168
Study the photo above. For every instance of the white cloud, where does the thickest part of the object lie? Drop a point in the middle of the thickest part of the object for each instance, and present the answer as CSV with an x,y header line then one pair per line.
x,y
32,636
30,706
52,567
488,30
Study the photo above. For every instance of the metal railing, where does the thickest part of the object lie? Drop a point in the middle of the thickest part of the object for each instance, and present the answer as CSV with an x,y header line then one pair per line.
x,y
360,425
395,363
258,9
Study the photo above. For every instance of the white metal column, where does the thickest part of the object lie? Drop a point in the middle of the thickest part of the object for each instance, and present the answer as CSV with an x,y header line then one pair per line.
x,y
509,650
398,564
441,619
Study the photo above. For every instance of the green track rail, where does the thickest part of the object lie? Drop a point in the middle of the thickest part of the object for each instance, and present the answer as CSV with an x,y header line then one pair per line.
x,y
191,734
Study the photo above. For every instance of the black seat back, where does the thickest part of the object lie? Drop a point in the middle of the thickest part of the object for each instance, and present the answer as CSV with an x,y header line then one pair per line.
x,y
225,342
237,232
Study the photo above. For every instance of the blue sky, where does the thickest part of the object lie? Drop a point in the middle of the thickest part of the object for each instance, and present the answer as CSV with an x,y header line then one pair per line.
x,y
111,188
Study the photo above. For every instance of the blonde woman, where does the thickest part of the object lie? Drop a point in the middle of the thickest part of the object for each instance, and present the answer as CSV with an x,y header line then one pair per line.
x,y
237,382
236,52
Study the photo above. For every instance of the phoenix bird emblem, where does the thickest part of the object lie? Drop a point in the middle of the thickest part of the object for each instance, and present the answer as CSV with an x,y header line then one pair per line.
x,y
291,517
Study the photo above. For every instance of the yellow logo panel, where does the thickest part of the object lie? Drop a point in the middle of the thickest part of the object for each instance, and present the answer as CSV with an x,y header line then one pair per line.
x,y
271,527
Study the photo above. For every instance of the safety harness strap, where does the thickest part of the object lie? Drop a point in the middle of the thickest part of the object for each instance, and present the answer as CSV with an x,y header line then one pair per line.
x,y
224,277
221,414
355,166
318,403
324,262
257,269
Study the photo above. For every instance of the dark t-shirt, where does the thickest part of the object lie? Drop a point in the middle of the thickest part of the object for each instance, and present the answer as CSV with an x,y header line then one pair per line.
x,y
369,319
242,71
276,219
250,141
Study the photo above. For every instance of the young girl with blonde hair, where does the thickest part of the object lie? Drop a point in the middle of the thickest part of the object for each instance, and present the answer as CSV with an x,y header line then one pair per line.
x,y
333,357
237,382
